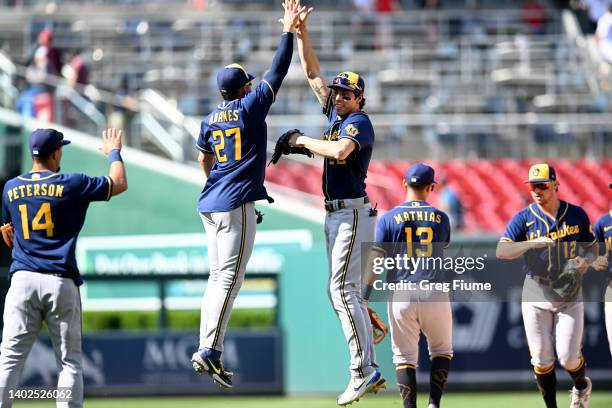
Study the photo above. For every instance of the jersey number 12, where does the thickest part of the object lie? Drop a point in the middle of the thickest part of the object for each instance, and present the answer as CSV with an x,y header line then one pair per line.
x,y
37,225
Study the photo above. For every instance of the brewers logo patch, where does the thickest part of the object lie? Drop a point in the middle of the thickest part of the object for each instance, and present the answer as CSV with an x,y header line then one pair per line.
x,y
351,130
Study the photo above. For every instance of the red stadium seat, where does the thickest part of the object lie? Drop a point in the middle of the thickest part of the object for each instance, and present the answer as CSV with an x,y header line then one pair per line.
x,y
491,191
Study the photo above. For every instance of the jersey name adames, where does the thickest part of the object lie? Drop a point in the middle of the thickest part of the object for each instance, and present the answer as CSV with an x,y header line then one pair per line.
x,y
48,211
416,229
571,229
345,179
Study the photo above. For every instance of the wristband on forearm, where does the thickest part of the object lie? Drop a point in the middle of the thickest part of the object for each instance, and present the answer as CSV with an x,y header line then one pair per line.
x,y
114,155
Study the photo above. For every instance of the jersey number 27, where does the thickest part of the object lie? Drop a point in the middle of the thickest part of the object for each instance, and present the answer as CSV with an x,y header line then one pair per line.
x,y
37,225
219,147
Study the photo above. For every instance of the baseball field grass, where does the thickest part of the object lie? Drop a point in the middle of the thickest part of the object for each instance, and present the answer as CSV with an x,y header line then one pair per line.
x,y
386,400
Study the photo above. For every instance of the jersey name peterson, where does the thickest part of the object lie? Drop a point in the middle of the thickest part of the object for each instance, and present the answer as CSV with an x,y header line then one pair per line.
x,y
35,190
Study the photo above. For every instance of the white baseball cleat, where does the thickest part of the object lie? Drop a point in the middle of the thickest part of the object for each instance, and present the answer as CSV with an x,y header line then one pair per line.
x,y
580,398
357,387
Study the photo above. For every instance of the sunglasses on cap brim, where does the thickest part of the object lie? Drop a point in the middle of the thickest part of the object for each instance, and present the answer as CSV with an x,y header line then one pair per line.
x,y
538,186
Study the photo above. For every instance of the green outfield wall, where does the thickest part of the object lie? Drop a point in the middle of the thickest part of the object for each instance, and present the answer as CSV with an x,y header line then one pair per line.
x,y
158,202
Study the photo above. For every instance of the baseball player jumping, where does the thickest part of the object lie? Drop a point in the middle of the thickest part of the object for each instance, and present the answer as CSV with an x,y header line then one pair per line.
x,y
424,231
347,150
232,146
47,211
549,233
603,232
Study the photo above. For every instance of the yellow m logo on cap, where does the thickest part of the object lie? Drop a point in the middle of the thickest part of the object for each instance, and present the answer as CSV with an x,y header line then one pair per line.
x,y
351,76
539,171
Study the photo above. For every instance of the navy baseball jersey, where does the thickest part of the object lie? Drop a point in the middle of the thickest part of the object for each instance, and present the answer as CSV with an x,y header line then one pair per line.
x,y
345,179
603,233
48,211
571,229
416,229
236,133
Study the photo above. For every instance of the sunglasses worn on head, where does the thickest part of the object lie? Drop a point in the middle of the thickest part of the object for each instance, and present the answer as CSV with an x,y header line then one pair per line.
x,y
346,82
538,186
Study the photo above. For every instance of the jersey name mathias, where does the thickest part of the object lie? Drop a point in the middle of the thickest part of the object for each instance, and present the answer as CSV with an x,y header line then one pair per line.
x,y
571,228
345,179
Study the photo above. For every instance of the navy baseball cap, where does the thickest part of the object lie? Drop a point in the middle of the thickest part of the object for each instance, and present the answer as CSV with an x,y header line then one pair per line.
x,y
349,81
232,77
45,141
420,174
541,173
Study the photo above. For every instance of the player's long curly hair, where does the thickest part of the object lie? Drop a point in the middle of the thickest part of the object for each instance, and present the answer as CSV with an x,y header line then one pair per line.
x,y
362,102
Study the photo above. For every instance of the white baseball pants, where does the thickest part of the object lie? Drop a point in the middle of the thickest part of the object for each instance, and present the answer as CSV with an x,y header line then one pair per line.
x,y
426,312
552,326
608,312
345,230
33,298
231,236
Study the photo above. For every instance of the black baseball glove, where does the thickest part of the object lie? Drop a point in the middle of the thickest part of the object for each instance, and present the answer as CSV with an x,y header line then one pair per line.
x,y
568,284
282,147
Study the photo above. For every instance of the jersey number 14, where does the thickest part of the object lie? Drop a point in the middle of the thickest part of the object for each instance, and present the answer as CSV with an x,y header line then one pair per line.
x,y
44,212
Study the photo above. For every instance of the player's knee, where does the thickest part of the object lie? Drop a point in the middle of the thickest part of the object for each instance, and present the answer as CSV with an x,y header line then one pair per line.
x,y
542,363
569,361
443,352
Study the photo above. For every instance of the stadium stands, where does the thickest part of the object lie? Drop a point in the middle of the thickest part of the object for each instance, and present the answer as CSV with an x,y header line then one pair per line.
x,y
483,95
490,190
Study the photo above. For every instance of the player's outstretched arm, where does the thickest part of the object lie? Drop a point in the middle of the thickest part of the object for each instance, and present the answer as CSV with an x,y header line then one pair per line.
x,y
310,62
512,250
111,146
284,52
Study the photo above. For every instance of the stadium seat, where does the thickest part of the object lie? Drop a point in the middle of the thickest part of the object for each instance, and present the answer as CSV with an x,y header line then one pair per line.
x,y
491,191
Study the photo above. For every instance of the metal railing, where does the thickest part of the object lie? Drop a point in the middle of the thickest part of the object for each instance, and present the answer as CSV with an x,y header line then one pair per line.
x,y
512,94
84,108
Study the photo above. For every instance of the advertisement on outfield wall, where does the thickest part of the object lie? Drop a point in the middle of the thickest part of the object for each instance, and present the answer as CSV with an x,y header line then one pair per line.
x,y
154,364
176,254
